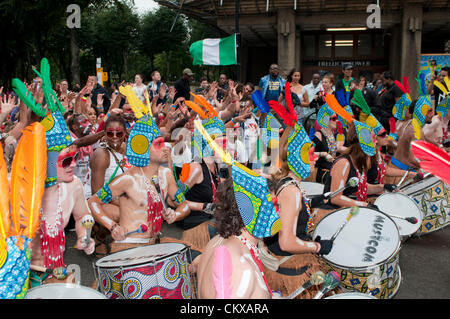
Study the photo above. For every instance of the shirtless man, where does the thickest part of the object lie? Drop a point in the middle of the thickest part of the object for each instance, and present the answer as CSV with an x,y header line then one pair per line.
x,y
231,250
130,192
60,200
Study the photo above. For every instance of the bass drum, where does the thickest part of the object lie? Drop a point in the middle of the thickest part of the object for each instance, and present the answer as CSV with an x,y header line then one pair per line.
x,y
63,291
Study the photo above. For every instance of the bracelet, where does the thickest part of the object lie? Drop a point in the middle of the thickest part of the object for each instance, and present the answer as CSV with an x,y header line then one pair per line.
x,y
114,227
232,122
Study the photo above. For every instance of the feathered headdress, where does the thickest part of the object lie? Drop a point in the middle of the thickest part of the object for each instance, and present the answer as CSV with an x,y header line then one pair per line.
x,y
344,101
144,131
366,116
19,224
56,130
251,193
443,107
363,131
400,107
298,141
423,103
268,123
323,116
210,121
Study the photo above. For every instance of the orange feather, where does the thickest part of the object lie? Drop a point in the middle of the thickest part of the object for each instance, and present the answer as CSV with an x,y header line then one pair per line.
x,y
197,109
333,103
4,198
202,102
28,173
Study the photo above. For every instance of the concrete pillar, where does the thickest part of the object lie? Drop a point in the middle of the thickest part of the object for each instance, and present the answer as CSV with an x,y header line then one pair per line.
x,y
411,42
286,40
298,49
394,51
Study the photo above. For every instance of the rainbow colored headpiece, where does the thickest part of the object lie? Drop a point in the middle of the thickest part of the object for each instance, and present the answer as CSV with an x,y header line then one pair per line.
x,y
344,101
251,193
323,116
366,116
423,103
402,104
144,131
443,107
213,125
299,142
56,130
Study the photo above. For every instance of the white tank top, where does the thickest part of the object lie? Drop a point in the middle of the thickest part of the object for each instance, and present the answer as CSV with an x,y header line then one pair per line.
x,y
112,166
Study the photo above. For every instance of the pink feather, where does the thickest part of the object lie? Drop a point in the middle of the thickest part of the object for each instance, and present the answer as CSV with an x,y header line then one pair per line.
x,y
432,159
222,270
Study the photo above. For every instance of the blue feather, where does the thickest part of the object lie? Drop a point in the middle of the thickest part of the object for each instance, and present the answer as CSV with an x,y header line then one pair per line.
x,y
260,102
341,97
312,131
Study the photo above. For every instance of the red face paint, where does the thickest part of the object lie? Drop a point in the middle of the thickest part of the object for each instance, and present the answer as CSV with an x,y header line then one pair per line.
x,y
66,160
158,143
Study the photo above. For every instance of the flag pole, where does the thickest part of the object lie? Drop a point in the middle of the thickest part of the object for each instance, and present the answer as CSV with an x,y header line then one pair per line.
x,y
238,42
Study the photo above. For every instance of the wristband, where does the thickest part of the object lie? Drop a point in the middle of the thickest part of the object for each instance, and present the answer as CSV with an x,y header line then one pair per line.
x,y
174,106
114,227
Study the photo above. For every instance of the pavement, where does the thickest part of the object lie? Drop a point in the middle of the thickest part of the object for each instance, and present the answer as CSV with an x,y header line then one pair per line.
x,y
424,263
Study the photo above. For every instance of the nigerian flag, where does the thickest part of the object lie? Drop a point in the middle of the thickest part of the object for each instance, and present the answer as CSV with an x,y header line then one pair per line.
x,y
214,51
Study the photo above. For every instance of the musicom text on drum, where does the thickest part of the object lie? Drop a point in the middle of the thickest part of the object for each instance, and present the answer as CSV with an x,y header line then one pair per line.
x,y
229,308
371,250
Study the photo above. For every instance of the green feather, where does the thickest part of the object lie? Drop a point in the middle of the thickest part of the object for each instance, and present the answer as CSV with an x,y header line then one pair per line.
x,y
26,97
50,96
358,99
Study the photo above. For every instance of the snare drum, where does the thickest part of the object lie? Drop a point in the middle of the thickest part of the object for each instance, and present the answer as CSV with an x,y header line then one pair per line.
x,y
313,189
63,291
351,295
432,197
399,204
156,271
365,253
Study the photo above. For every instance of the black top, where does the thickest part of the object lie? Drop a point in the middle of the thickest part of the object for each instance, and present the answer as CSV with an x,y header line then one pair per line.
x,y
302,222
200,193
322,163
182,86
387,98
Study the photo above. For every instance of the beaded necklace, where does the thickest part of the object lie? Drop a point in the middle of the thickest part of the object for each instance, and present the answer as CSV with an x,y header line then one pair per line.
x,y
362,186
381,169
52,238
254,251
331,142
154,209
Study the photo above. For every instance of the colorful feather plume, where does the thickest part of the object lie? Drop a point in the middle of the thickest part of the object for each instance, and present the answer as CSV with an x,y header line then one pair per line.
x,y
260,102
4,198
441,87
136,105
197,109
27,98
360,101
432,159
392,125
340,136
200,100
28,173
290,105
222,272
333,103
51,98
343,99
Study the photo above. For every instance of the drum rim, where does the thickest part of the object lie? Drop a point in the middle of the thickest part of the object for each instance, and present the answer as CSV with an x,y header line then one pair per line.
x,y
402,190
155,260
352,293
364,268
66,285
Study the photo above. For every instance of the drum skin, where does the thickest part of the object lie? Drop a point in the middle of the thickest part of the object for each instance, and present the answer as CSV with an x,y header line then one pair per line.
x,y
63,291
432,197
161,278
366,252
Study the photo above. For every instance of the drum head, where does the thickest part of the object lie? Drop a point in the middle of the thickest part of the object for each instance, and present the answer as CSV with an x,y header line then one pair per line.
x,y
368,239
351,295
63,291
140,255
400,205
420,186
313,189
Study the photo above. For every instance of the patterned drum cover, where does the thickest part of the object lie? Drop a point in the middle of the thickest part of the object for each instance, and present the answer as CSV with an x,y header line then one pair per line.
x,y
432,197
150,272
366,252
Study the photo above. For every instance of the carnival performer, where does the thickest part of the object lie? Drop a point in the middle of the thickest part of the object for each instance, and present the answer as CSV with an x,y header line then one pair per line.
x,y
287,274
230,266
141,190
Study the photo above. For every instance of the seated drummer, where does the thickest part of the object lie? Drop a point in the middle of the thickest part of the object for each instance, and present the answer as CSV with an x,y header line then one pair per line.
x,y
353,163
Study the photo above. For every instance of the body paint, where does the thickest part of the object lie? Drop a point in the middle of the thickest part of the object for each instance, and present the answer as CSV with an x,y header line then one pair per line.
x,y
245,282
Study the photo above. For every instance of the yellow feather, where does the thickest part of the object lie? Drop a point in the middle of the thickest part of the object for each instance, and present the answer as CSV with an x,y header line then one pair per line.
x,y
441,86
138,107
226,157
28,173
4,198
447,82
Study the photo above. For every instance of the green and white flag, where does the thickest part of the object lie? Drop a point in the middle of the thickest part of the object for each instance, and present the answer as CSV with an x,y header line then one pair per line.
x,y
214,51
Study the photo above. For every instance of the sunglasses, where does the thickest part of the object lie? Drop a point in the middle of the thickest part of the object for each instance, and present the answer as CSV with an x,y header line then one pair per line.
x,y
67,160
115,133
333,118
384,134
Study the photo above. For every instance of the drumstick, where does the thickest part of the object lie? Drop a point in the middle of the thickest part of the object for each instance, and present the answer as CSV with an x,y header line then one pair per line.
x,y
352,182
88,222
142,229
316,279
412,220
353,211
59,273
158,189
403,178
